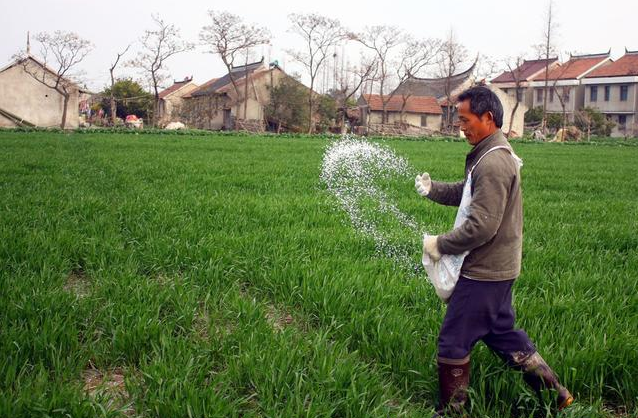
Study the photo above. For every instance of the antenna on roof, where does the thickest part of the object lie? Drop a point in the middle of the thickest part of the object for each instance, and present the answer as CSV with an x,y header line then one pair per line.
x,y
28,43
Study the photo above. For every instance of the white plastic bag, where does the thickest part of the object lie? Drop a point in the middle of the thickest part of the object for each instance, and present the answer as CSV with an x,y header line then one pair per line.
x,y
445,273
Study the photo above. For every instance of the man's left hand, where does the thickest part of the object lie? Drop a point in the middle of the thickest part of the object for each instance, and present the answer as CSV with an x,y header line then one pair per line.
x,y
431,248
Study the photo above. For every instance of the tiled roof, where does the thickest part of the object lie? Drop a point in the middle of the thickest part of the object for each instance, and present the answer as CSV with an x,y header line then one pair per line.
x,y
574,68
253,76
414,104
218,83
527,69
627,65
202,87
435,87
172,89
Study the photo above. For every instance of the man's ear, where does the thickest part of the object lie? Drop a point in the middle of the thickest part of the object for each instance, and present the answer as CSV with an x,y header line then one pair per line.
x,y
488,116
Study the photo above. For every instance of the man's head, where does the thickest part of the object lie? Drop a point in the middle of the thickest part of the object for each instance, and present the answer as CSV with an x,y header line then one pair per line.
x,y
480,113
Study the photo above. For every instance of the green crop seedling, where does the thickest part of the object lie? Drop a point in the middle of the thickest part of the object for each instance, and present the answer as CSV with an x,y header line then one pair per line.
x,y
210,275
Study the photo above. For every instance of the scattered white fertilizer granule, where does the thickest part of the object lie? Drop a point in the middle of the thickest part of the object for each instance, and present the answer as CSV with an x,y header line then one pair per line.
x,y
354,172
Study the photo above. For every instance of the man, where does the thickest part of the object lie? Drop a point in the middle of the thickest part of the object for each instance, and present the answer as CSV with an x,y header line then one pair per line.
x,y
480,308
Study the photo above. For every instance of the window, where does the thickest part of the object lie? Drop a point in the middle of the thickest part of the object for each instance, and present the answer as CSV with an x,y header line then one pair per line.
x,y
519,95
566,91
593,93
622,121
424,120
623,93
607,93
539,95
551,95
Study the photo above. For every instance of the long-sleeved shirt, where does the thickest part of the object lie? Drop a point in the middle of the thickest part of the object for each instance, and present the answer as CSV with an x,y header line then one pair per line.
x,y
493,232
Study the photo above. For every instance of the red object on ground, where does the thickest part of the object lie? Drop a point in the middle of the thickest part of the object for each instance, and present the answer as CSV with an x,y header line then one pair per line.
x,y
130,118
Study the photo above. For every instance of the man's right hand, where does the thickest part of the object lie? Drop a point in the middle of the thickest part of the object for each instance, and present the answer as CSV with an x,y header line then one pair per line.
x,y
423,184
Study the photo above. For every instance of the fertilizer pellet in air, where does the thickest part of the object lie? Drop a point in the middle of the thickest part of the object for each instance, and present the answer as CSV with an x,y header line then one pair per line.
x,y
352,170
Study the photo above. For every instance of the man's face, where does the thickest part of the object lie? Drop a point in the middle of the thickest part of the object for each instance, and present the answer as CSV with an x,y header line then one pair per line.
x,y
474,127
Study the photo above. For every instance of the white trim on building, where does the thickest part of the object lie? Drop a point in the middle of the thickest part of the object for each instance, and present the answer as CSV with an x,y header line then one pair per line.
x,y
611,80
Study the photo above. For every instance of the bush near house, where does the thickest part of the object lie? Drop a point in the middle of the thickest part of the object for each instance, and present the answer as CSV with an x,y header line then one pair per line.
x,y
288,107
592,121
131,99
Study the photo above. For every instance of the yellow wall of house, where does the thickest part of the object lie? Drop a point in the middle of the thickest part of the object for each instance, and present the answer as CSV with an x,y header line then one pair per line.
x,y
29,99
258,95
171,106
433,121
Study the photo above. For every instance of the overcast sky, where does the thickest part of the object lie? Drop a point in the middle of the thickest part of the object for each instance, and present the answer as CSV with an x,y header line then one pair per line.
x,y
496,28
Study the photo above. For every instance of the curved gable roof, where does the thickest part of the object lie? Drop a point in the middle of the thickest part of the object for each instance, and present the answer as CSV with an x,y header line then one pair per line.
x,y
434,87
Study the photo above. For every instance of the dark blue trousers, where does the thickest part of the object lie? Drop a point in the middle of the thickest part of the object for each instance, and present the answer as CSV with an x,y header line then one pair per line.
x,y
481,310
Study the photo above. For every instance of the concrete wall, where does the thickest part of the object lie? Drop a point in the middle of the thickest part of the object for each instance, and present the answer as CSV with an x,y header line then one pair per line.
x,y
575,102
203,112
508,100
258,95
629,129
31,100
170,106
433,121
614,104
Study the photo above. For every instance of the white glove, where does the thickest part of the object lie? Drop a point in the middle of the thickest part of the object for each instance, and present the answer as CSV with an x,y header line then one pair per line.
x,y
423,184
431,248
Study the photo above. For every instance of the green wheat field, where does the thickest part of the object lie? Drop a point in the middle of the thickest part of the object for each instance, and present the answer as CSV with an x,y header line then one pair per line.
x,y
211,276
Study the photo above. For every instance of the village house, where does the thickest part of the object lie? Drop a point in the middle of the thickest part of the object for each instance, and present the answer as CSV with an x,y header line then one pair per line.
x,y
414,111
442,89
613,90
172,98
216,105
445,91
566,80
25,101
523,75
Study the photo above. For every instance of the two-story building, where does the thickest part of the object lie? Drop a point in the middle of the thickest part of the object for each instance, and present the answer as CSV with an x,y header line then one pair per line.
x,y
516,82
613,90
565,90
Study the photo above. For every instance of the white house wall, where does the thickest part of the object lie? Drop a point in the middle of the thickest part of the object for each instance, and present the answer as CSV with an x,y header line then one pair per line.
x,y
613,104
27,98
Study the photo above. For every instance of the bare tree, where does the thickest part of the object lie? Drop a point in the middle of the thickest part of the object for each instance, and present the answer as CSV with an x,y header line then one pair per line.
x,y
514,67
452,55
61,52
229,36
352,82
158,46
383,42
111,70
319,34
548,49
563,96
486,68
414,57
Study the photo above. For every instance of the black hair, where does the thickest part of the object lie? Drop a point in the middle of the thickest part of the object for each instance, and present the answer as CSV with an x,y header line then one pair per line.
x,y
484,100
